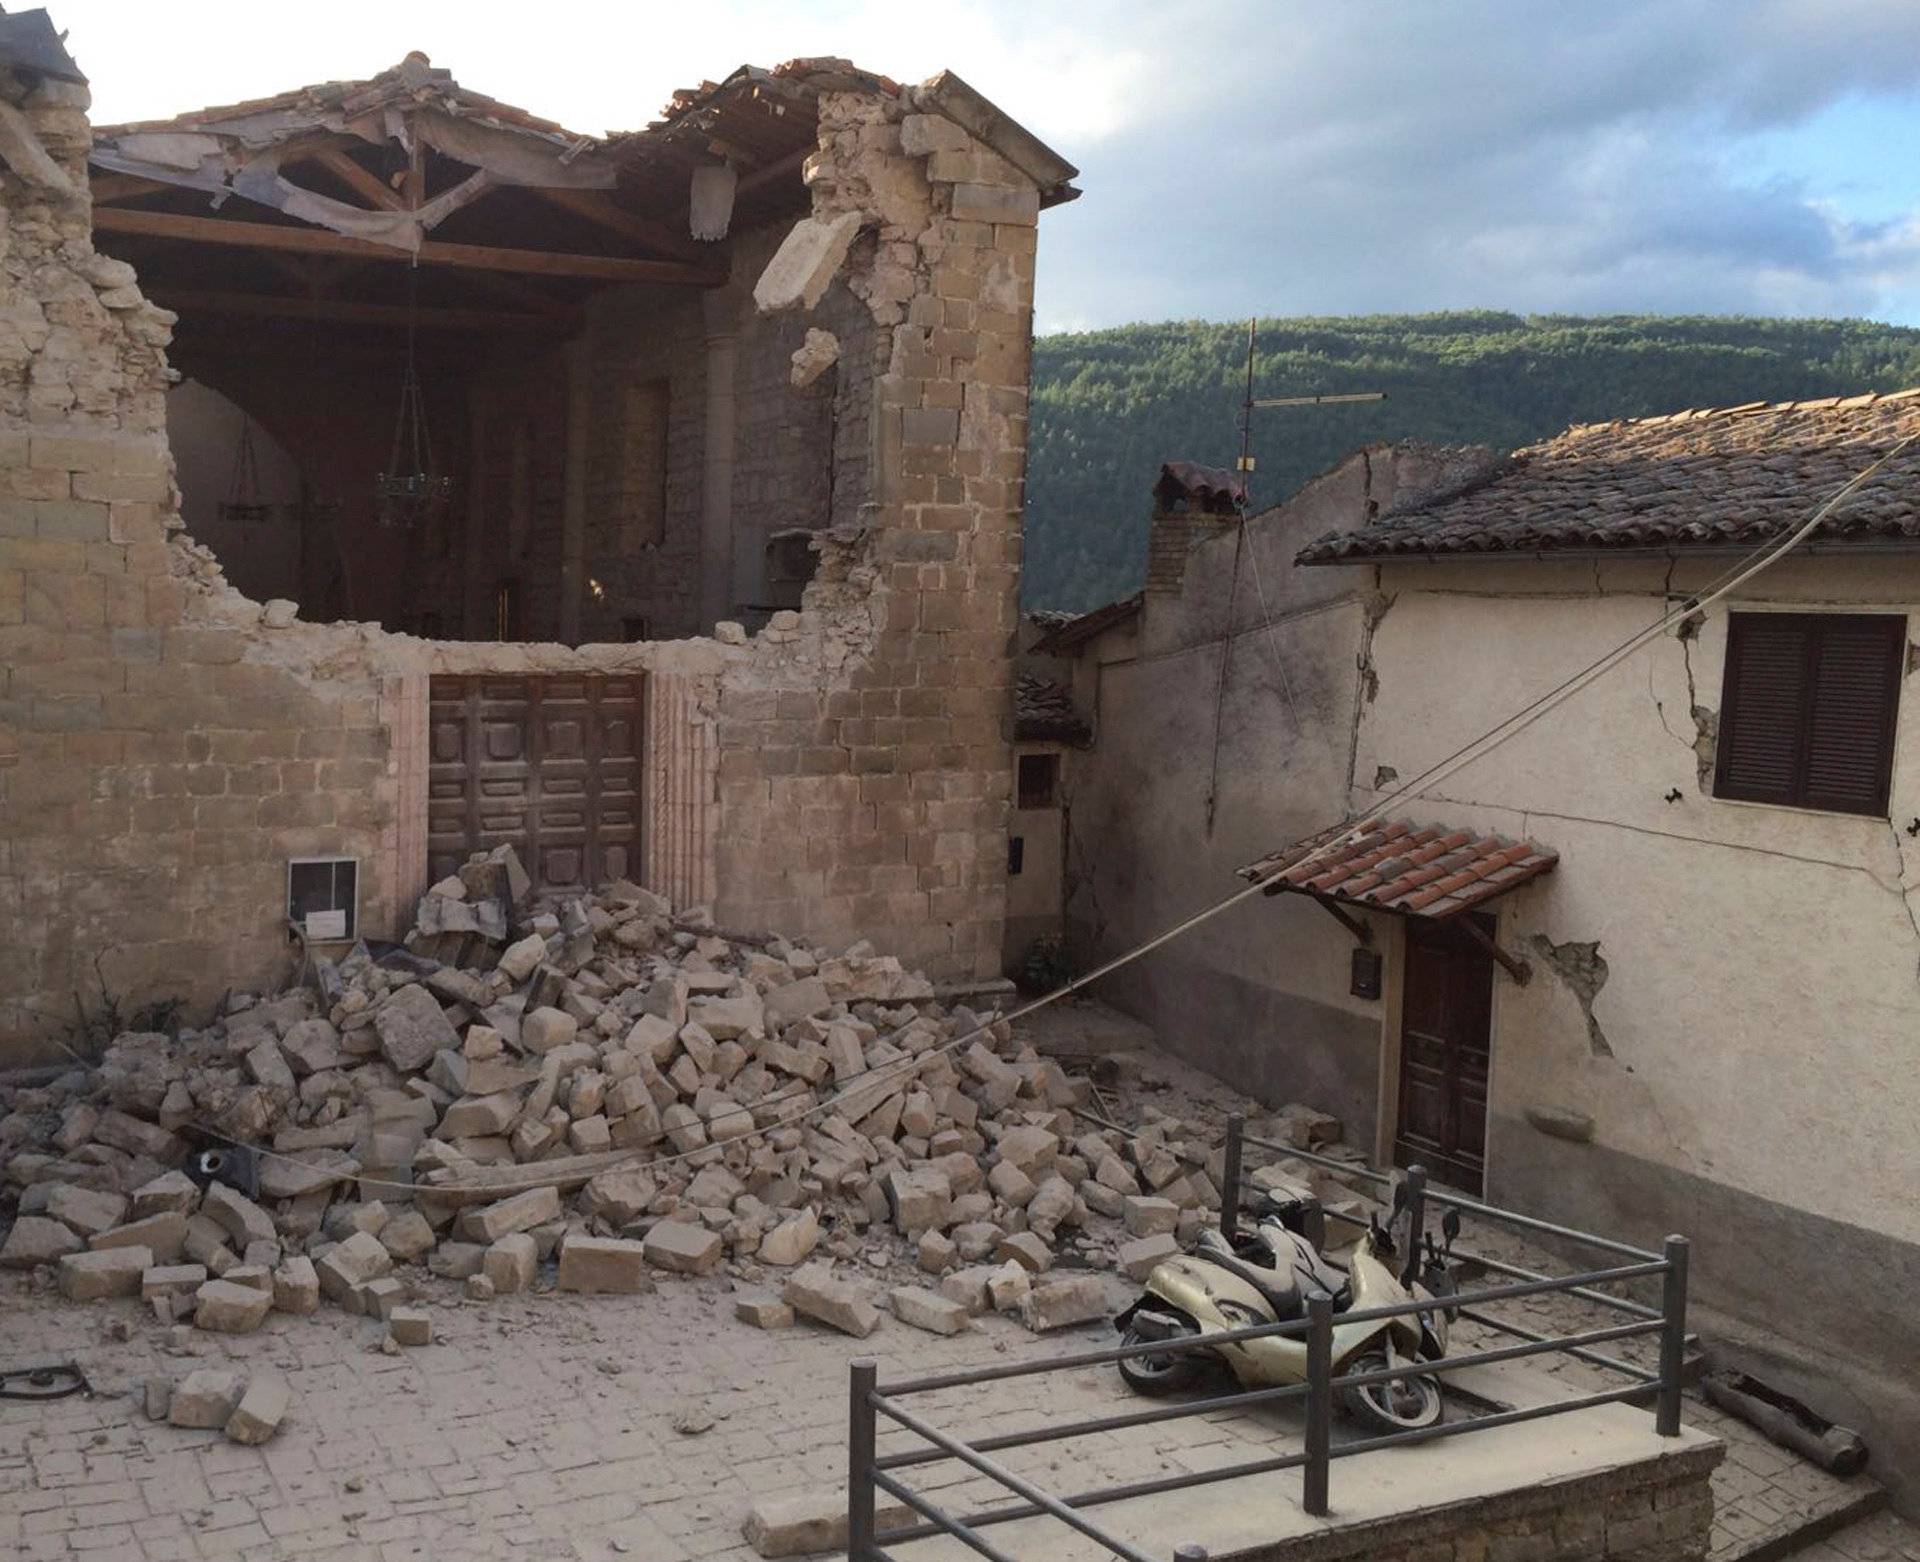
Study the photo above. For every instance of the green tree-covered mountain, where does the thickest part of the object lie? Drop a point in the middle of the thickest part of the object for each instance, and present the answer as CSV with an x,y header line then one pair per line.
x,y
1109,406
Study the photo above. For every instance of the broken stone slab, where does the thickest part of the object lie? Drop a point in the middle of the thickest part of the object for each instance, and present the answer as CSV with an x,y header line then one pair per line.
x,y
928,1310
519,1212
544,1029
412,1027
519,960
612,1265
457,1260
805,264
119,1131
312,1047
814,1292
114,1271
799,1526
1008,1287
268,1066
205,1398
1059,1304
794,1001
228,1307
1139,1258
35,1240
170,1280
261,1409
87,1211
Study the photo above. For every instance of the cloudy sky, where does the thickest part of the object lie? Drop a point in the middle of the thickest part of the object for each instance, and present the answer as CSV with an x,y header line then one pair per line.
x,y
1257,156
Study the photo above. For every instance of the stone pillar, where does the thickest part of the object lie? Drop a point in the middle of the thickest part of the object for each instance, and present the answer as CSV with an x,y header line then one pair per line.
x,y
573,515
716,490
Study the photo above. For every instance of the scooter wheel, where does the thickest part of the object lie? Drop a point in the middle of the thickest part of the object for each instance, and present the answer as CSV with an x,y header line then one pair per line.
x,y
1156,1375
1403,1405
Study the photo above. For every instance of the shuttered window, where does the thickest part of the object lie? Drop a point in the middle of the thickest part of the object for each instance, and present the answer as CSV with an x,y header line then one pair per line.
x,y
1807,711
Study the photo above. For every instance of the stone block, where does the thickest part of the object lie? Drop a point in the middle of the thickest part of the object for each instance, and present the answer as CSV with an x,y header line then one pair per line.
x,y
234,1213
520,1212
407,1236
163,1235
349,1264
378,1298
205,1398
412,1027
171,1280
935,1253
296,1286
114,1271
171,1191
1026,1249
226,1307
261,1409
800,1526
792,1240
683,1249
35,1240
1139,1258
806,262
995,204
797,1001
928,1310
763,1312
920,1199
457,1260
544,1029
1147,1216
86,1211
511,1263
1058,1304
410,1326
615,1265
814,1292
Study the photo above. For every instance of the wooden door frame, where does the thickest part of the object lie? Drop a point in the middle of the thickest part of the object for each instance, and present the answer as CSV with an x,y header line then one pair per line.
x,y
1386,1131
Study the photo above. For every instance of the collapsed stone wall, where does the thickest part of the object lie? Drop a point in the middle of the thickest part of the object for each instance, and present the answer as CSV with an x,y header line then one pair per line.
x,y
865,773
166,744
154,776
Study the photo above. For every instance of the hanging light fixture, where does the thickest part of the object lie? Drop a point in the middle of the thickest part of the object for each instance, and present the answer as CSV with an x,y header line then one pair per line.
x,y
410,490
243,504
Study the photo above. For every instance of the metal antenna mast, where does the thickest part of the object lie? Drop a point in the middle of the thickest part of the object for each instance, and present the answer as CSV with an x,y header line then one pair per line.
x,y
1244,466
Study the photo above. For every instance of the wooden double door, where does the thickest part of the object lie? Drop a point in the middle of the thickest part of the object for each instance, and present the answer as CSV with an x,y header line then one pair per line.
x,y
1446,1046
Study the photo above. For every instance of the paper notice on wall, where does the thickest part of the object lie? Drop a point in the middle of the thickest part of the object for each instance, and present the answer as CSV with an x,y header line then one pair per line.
x,y
326,924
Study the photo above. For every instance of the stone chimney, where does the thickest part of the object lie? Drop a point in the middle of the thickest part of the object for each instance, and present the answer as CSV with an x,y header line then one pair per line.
x,y
1189,502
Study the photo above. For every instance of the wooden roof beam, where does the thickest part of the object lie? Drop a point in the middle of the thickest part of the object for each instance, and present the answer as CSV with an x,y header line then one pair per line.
x,y
368,185
476,257
597,208
124,187
276,306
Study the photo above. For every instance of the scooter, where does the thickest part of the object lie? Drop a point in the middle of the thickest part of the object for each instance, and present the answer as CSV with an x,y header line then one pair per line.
x,y
1264,1276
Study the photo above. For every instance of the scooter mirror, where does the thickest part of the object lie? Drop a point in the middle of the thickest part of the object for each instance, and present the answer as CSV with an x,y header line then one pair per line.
x,y
1450,1226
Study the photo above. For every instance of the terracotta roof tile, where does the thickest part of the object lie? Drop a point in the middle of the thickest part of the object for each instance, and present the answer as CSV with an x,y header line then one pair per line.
x,y
1397,865
1727,476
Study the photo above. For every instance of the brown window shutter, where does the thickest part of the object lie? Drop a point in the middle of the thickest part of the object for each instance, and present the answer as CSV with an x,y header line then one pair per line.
x,y
1856,693
1764,707
1808,709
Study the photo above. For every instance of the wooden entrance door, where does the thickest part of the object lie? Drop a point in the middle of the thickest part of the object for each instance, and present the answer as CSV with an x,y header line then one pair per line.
x,y
1446,1030
547,764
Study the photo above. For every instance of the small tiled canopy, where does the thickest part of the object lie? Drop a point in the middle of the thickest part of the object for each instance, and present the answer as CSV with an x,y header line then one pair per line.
x,y
1423,870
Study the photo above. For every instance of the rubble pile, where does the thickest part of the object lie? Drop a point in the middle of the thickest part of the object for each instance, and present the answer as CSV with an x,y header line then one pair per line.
x,y
604,1091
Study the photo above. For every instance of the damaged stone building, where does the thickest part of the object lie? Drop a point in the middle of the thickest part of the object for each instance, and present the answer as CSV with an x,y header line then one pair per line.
x,y
1649,966
391,474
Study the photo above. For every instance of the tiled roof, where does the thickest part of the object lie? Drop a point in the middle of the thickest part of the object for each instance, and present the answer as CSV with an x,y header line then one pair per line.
x,y
1727,476
1043,712
1210,487
1076,629
1396,865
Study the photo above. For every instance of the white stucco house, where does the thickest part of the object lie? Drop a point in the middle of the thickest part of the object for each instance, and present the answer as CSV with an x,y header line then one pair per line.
x,y
1651,966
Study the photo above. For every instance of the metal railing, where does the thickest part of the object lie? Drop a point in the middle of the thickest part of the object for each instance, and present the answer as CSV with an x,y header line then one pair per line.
x,y
870,1473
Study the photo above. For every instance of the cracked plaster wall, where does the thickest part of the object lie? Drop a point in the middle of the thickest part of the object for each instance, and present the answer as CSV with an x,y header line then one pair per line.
x,y
1762,985
165,743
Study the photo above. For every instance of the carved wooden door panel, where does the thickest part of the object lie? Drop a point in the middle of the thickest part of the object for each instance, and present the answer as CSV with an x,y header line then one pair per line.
x,y
548,764
1446,1028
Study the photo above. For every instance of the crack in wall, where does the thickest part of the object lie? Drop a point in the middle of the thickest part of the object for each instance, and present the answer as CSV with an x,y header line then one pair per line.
x,y
1584,970
1367,688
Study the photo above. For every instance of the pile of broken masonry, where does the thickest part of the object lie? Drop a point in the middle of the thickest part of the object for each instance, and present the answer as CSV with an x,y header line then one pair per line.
x,y
595,1090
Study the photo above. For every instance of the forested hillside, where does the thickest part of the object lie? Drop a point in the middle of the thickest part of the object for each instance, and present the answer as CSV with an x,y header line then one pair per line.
x,y
1109,406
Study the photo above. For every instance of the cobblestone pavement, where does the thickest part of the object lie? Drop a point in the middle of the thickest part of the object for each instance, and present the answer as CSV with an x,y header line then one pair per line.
x,y
560,1426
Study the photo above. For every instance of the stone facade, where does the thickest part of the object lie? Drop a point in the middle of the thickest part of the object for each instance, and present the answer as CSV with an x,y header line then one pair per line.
x,y
166,744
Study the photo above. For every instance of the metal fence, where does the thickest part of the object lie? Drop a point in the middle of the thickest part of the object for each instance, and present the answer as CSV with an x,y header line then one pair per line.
x,y
870,1473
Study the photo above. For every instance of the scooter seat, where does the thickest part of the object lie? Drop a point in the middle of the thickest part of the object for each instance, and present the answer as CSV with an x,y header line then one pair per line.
x,y
1280,1287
